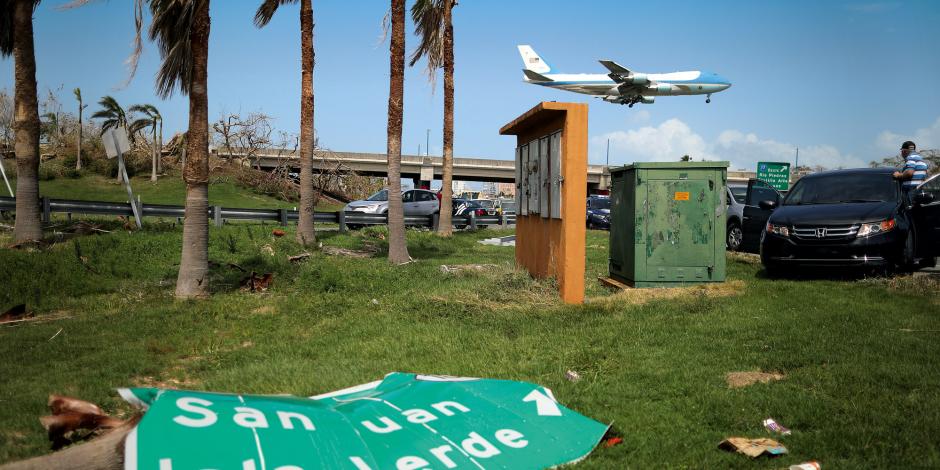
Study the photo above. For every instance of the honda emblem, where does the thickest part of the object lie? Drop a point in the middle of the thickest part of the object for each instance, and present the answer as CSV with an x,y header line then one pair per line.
x,y
820,233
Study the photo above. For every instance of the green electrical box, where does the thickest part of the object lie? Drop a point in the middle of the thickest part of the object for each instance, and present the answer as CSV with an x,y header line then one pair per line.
x,y
668,223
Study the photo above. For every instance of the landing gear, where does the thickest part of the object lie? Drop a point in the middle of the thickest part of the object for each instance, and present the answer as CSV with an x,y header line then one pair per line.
x,y
630,105
708,98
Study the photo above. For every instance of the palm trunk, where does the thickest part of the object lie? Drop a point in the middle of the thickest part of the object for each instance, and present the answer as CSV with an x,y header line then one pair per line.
x,y
160,148
153,154
445,226
306,234
28,224
397,244
78,152
193,279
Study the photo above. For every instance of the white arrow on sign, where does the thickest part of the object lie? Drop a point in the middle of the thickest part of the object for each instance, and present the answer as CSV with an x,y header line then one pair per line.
x,y
545,406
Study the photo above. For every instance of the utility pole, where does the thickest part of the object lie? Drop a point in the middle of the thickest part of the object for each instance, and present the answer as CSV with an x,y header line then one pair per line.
x,y
797,166
608,152
427,144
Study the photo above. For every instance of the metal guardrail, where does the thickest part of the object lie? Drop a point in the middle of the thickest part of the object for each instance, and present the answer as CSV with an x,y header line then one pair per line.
x,y
219,214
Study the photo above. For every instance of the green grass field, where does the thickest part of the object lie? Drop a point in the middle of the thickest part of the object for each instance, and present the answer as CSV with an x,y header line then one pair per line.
x,y
166,190
860,357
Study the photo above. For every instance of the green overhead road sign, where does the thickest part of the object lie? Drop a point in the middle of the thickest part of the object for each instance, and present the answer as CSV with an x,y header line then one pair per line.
x,y
777,174
404,421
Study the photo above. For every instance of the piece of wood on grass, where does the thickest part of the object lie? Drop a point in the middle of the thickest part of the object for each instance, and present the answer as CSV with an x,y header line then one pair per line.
x,y
15,313
106,452
300,257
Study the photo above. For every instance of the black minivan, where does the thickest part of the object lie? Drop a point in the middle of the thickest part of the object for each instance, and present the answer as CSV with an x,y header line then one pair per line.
x,y
858,217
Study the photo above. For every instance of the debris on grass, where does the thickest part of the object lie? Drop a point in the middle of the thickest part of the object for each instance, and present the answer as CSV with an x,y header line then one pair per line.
x,y
375,301
776,427
465,268
256,283
56,334
278,232
631,296
301,257
753,447
70,415
613,441
268,250
264,310
572,376
812,465
744,379
15,313
337,251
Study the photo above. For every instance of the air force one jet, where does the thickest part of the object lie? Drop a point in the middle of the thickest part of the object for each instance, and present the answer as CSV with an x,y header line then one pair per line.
x,y
622,85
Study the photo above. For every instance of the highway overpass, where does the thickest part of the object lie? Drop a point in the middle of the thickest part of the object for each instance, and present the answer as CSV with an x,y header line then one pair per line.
x,y
421,168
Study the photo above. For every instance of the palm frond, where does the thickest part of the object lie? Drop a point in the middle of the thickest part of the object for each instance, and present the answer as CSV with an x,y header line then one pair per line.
x,y
267,9
139,125
6,26
172,23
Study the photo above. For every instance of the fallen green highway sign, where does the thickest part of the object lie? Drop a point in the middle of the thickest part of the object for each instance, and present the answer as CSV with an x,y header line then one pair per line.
x,y
404,421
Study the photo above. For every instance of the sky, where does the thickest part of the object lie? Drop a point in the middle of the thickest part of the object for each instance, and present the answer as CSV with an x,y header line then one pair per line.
x,y
846,82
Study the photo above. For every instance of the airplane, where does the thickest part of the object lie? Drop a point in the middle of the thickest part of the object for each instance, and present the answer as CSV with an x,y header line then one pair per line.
x,y
622,85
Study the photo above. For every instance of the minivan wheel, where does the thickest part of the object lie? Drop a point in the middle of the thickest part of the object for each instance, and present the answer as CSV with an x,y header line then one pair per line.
x,y
734,237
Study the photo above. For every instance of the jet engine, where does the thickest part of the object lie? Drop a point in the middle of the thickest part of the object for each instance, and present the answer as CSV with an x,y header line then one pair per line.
x,y
636,79
662,88
647,99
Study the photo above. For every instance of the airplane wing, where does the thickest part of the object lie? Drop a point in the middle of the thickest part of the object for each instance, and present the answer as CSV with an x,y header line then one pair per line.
x,y
615,68
535,76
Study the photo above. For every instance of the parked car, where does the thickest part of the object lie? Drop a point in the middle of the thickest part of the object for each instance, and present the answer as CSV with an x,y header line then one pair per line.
x,y
598,212
488,204
462,208
415,202
736,195
507,207
857,217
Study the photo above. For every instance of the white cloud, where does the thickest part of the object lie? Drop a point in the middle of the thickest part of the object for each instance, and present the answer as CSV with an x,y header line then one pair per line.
x,y
925,138
672,139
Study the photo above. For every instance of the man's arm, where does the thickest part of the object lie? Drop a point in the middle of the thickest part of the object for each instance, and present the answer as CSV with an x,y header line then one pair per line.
x,y
904,175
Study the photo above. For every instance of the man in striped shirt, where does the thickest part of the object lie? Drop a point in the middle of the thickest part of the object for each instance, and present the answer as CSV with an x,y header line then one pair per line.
x,y
914,171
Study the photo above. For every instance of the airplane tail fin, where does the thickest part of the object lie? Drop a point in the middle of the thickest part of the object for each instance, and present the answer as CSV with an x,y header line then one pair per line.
x,y
532,60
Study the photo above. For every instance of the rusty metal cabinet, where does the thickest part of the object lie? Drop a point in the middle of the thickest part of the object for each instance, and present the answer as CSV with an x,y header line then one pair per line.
x,y
668,223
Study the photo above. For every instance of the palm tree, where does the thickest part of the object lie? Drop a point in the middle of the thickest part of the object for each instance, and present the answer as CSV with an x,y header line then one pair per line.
x,y
433,25
397,244
113,114
181,30
114,118
151,119
51,128
81,107
16,39
306,233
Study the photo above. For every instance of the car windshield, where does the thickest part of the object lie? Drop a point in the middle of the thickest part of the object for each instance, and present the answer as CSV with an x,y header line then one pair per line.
x,y
379,196
485,203
599,203
509,206
739,193
842,188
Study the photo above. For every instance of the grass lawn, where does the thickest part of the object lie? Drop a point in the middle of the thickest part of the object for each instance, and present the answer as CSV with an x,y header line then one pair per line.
x,y
166,190
860,358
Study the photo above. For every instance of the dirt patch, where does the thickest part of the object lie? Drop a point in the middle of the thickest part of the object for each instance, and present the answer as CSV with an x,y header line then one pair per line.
x,y
747,258
337,251
643,296
744,379
264,310
466,268
167,383
918,284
